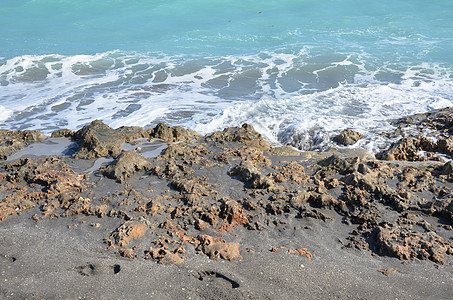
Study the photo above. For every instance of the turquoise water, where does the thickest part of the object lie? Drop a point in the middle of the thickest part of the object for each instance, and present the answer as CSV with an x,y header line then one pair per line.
x,y
411,30
300,71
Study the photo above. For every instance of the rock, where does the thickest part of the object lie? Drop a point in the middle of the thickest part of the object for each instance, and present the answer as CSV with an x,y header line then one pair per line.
x,y
131,230
445,145
173,134
13,141
218,248
446,170
248,173
405,244
133,132
404,149
245,134
97,140
443,206
165,256
62,133
347,137
409,149
232,214
438,119
124,166
300,198
344,165
301,252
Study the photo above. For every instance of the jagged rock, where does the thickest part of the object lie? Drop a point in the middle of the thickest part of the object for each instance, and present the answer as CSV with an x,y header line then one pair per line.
x,y
97,140
131,230
218,248
245,135
165,256
13,141
300,198
405,149
248,173
344,165
439,119
194,191
443,206
404,244
133,132
446,170
62,133
173,134
347,137
409,149
232,214
125,165
445,145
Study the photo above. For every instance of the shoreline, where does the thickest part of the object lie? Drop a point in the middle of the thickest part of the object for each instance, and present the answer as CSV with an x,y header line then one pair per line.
x,y
131,212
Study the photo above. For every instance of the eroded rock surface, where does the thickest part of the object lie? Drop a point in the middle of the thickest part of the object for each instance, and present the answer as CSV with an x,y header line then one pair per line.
x,y
203,193
347,137
12,141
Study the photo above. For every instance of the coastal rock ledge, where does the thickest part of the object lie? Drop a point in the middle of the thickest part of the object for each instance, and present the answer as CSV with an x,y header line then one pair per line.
x,y
231,196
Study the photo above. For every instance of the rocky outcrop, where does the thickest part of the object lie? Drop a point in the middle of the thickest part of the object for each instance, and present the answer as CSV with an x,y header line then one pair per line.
x,y
62,133
13,141
173,134
218,248
418,149
347,137
250,174
245,134
98,139
126,164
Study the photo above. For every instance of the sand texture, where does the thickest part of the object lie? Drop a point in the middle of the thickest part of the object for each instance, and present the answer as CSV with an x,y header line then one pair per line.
x,y
166,213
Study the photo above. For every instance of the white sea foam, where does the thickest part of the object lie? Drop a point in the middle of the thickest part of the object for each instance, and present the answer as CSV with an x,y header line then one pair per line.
x,y
291,97
4,113
310,121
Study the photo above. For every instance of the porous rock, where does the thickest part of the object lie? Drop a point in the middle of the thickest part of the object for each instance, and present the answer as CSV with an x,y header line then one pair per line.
x,y
98,139
404,244
12,141
131,230
347,137
125,165
248,173
62,133
173,134
245,134
218,248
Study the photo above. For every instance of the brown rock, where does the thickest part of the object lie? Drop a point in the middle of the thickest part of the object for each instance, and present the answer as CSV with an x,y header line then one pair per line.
x,y
301,252
245,134
98,139
173,134
12,141
248,173
405,244
62,133
125,165
218,248
165,256
347,137
127,232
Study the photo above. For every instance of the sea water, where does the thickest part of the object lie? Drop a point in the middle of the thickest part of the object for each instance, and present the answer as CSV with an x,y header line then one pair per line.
x,y
300,71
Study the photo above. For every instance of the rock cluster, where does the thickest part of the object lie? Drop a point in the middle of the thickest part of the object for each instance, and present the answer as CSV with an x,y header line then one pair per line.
x,y
200,191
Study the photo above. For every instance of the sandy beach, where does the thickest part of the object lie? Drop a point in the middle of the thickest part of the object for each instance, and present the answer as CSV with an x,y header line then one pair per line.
x,y
165,213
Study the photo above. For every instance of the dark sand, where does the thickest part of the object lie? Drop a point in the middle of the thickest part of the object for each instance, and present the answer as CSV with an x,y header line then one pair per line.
x,y
220,217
